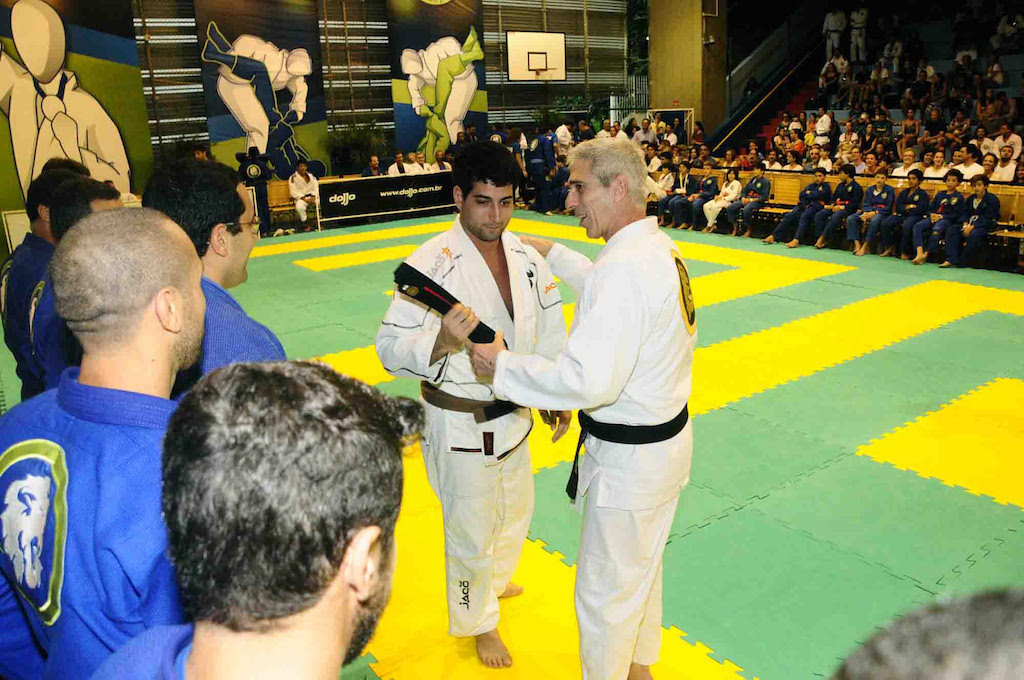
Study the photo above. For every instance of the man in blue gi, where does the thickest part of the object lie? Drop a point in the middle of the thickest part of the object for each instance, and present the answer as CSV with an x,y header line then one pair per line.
x,y
21,275
982,217
304,541
813,198
846,198
677,202
948,207
875,207
540,163
53,345
215,210
706,191
755,194
83,559
911,206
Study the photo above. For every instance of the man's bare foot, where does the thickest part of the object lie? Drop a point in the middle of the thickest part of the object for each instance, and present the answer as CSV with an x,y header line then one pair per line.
x,y
749,233
768,239
820,243
793,244
639,672
887,252
492,651
921,259
945,265
511,590
904,256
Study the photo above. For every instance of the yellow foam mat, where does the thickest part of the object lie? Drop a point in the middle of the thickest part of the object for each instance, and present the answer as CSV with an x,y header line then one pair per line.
x,y
347,239
360,257
934,444
539,626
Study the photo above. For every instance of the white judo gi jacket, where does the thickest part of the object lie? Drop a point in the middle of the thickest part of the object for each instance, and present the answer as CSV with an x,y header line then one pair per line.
x,y
627,361
407,334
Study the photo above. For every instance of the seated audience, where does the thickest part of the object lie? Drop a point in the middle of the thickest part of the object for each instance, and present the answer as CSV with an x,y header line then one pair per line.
x,y
645,133
981,217
771,162
818,159
220,219
303,537
126,282
909,163
989,164
792,163
1007,136
983,143
968,165
730,192
846,199
934,136
755,194
875,206
706,192
910,130
1005,168
910,207
848,140
813,198
948,207
678,203
937,169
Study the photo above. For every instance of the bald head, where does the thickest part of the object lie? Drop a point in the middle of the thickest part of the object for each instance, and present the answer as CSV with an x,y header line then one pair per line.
x,y
108,268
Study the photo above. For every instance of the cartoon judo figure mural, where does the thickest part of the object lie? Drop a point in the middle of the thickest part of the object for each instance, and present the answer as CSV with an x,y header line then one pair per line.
x,y
251,73
447,66
50,116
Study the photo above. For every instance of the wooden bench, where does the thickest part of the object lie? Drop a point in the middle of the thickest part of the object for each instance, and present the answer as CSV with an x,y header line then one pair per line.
x,y
280,199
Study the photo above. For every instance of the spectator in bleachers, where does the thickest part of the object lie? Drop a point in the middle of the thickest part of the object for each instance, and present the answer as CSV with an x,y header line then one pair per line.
x,y
729,192
957,130
909,163
823,127
1018,178
848,141
771,162
707,191
987,110
704,158
606,129
918,93
948,207
879,79
813,198
645,133
564,134
910,207
792,162
651,157
994,76
678,204
858,35
1005,168
989,164
755,194
982,142
373,169
828,85
867,221
1008,136
796,144
934,136
969,166
1008,32
679,130
892,53
816,159
584,131
981,218
857,161
752,150
832,29
730,160
801,119
1008,106
618,132
846,199
869,138
398,167
860,87
698,133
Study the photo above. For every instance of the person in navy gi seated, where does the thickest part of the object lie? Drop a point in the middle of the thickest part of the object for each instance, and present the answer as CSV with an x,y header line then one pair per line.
x,y
303,539
707,191
83,560
215,210
875,207
755,194
911,206
677,202
813,198
948,208
982,217
846,199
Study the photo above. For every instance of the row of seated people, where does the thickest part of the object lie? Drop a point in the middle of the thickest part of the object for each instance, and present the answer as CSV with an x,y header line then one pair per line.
x,y
911,220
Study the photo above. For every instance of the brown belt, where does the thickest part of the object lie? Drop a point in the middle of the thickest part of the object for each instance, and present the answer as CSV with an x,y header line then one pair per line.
x,y
482,411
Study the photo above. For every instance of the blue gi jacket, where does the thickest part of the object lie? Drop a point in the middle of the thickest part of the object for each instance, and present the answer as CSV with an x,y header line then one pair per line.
x,y
758,189
157,654
849,196
912,203
690,186
52,344
708,188
951,205
983,214
21,274
815,193
878,201
230,336
80,479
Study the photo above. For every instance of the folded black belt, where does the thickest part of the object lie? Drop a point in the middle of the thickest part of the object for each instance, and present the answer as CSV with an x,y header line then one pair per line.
x,y
622,434
482,411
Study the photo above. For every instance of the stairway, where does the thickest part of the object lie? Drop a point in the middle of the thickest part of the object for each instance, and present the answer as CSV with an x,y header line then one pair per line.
x,y
796,104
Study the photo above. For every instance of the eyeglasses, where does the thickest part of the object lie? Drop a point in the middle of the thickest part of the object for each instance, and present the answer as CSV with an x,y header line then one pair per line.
x,y
254,225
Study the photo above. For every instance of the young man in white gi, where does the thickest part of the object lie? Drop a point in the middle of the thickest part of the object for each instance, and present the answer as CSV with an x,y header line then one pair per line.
x,y
304,190
627,361
477,462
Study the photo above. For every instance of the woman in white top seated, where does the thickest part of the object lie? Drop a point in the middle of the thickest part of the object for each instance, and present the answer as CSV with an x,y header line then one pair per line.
x,y
730,192
938,167
792,162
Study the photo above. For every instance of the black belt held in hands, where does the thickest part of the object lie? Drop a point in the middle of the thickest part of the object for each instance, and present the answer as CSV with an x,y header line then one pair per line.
x,y
417,285
622,434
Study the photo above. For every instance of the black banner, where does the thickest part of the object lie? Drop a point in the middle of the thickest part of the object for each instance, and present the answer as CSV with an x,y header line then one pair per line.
x,y
345,199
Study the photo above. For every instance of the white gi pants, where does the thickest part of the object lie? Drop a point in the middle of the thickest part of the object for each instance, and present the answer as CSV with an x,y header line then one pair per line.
x,y
712,208
618,587
487,512
831,43
300,209
858,50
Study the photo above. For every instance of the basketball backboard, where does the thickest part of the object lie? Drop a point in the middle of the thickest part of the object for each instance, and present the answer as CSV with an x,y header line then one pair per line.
x,y
535,55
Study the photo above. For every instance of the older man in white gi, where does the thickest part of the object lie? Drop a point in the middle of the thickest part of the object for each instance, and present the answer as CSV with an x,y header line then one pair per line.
x,y
475,447
626,366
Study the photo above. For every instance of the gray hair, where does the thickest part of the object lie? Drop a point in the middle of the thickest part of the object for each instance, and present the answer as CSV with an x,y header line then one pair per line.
x,y
111,265
980,637
609,158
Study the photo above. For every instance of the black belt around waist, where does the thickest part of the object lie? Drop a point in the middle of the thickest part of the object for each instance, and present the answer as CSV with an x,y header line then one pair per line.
x,y
482,411
622,434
